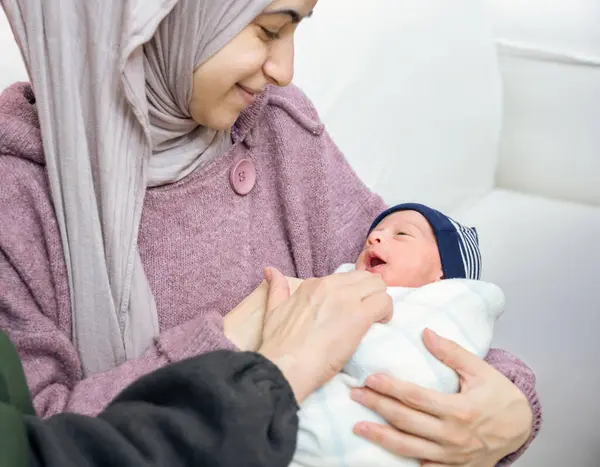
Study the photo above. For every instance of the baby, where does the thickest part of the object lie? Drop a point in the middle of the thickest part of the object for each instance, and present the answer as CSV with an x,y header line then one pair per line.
x,y
431,265
427,246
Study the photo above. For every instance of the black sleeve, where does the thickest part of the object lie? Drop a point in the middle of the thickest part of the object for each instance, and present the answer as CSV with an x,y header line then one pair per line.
x,y
218,410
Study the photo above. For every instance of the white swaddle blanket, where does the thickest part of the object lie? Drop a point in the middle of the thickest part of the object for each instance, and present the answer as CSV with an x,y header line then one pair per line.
x,y
458,309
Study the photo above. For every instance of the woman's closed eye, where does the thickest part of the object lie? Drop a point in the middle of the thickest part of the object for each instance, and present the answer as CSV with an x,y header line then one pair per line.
x,y
270,35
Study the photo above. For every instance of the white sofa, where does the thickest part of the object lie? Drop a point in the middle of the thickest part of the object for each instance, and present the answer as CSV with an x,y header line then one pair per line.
x,y
490,112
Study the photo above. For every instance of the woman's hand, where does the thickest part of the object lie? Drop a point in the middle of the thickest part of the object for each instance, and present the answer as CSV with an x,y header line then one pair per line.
x,y
243,325
312,334
489,419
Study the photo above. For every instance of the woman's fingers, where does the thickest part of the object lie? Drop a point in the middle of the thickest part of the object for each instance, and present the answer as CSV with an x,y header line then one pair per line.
x,y
363,284
414,396
370,289
279,289
414,447
453,355
358,284
379,307
487,420
401,417
399,443
311,334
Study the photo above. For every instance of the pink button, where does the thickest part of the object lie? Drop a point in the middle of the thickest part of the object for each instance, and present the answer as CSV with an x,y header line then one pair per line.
x,y
243,177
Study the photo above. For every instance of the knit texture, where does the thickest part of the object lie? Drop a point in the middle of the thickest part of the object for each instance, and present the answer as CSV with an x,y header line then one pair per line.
x,y
203,246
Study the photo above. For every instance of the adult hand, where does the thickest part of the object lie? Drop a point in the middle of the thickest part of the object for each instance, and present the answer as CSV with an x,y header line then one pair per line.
x,y
312,334
489,419
243,325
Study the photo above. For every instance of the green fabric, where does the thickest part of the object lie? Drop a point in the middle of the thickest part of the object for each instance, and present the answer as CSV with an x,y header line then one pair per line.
x,y
15,401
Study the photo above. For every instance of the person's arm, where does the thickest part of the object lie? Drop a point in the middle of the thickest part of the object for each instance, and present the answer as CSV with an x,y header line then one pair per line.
x,y
227,408
15,401
218,410
28,313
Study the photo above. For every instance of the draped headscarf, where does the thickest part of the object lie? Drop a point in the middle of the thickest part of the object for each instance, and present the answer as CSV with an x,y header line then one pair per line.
x,y
113,82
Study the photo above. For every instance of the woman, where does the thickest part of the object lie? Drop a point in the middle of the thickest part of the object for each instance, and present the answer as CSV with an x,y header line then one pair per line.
x,y
179,164
168,418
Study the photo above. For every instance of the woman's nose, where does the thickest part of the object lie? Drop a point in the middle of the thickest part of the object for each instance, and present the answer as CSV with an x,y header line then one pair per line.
x,y
279,66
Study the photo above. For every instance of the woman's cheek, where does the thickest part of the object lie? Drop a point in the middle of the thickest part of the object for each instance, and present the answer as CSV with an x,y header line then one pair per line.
x,y
252,62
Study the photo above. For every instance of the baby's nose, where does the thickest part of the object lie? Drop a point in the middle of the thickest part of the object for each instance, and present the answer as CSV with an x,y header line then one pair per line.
x,y
376,237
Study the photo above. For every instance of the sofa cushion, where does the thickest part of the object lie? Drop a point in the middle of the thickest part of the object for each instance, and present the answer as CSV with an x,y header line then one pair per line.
x,y
550,62
544,254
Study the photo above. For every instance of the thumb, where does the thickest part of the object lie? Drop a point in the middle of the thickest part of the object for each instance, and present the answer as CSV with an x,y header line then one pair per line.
x,y
279,289
465,363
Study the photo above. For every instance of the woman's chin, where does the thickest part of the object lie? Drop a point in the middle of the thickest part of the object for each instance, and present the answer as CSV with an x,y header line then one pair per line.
x,y
220,119
221,122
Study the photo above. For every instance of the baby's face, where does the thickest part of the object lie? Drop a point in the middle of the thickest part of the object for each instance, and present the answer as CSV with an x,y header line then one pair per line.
x,y
403,250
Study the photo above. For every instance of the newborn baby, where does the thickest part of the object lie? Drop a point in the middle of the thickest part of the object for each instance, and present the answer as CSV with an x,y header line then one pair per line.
x,y
427,246
431,265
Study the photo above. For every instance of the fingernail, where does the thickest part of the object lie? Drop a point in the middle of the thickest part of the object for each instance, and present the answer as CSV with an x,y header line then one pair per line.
x,y
357,395
268,274
362,429
433,343
374,381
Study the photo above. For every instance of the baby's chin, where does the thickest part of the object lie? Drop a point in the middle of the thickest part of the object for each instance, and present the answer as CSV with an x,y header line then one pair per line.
x,y
379,270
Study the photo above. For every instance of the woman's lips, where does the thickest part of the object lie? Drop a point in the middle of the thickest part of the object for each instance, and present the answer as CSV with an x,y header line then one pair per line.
x,y
247,94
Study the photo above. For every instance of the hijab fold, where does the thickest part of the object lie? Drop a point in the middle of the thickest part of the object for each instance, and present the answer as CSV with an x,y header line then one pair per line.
x,y
113,82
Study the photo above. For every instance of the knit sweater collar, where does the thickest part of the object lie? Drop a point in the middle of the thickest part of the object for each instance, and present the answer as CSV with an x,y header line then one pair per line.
x,y
246,122
20,134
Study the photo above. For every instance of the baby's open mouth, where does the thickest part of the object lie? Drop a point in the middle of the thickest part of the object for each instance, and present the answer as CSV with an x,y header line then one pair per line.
x,y
375,261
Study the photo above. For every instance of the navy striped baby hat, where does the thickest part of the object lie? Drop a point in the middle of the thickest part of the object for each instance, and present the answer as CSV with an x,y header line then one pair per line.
x,y
458,245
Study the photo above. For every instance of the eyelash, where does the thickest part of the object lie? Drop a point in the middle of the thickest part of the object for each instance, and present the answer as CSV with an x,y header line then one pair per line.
x,y
270,34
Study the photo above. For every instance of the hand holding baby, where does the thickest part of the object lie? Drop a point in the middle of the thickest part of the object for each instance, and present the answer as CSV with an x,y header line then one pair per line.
x,y
311,334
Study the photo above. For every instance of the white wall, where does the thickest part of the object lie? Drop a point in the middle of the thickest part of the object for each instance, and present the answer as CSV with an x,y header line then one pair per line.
x,y
11,64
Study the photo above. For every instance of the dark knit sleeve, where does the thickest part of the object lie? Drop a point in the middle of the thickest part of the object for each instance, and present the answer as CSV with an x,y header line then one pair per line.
x,y
221,409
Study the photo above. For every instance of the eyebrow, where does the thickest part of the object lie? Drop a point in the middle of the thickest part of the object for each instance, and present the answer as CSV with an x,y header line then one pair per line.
x,y
413,225
426,232
296,17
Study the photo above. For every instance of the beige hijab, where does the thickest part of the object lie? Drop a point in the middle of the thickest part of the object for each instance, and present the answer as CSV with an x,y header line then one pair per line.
x,y
113,81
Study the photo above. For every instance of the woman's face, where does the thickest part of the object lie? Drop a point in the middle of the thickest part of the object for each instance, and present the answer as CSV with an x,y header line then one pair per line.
x,y
263,53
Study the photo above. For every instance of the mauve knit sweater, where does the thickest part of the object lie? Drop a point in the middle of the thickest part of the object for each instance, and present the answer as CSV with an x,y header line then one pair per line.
x,y
203,246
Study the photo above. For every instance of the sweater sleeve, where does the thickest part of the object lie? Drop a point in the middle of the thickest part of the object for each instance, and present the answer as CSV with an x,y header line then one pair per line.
x,y
219,410
51,362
